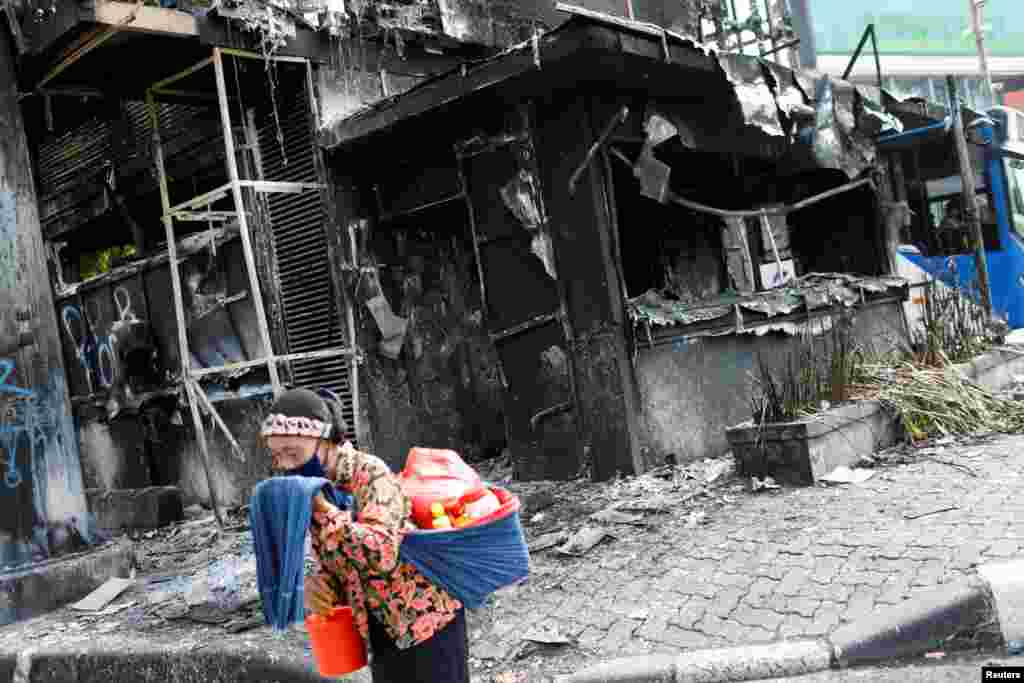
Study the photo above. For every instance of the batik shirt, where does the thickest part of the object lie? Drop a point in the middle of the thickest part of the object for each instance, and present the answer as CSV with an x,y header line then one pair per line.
x,y
362,555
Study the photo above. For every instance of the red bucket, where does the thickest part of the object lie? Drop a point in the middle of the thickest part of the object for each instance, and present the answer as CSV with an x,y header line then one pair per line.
x,y
337,646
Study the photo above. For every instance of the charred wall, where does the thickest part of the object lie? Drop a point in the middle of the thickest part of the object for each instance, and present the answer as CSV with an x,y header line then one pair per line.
x,y
444,388
430,376
42,504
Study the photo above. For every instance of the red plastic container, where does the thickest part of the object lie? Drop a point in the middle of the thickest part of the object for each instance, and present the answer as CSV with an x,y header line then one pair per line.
x,y
434,475
337,646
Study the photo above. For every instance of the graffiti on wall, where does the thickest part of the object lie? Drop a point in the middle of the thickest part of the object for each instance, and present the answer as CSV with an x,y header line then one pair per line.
x,y
97,353
8,242
119,334
39,463
13,424
90,348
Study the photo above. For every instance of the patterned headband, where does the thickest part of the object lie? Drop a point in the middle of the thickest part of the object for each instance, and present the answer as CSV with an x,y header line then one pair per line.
x,y
282,425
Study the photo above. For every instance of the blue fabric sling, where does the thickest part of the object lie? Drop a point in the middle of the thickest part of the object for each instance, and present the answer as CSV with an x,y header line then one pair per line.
x,y
279,516
472,562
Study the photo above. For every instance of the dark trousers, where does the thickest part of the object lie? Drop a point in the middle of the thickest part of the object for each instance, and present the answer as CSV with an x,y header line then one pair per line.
x,y
444,658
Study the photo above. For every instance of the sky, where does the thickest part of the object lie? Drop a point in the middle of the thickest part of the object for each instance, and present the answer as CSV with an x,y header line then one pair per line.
x,y
917,26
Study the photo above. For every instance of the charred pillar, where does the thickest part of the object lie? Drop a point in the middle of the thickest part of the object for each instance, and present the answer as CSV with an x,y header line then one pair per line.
x,y
581,228
42,504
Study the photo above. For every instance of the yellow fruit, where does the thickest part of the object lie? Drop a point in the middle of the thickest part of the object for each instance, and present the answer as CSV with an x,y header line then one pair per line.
x,y
442,522
436,509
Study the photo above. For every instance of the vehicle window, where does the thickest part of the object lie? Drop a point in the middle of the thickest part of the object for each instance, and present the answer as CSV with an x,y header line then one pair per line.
x,y
1015,183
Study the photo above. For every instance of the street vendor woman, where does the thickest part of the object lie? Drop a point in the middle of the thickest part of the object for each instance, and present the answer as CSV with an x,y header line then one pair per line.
x,y
415,631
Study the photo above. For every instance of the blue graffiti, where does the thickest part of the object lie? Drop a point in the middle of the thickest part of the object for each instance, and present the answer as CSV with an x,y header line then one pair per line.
x,y
96,353
23,420
36,423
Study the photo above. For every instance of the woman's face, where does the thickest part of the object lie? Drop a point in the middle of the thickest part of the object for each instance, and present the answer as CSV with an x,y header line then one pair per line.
x,y
289,452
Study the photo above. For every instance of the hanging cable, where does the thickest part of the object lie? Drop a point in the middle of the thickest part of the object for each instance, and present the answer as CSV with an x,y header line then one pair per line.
x,y
271,67
238,86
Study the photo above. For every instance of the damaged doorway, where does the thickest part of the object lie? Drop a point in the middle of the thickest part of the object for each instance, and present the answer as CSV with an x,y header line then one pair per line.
x,y
525,313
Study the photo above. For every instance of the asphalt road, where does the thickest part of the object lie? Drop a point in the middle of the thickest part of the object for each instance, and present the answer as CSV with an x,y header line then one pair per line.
x,y
947,670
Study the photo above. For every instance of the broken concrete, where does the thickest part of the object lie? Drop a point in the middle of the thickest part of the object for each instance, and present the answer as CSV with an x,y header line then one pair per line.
x,y
39,588
996,369
149,664
806,450
146,508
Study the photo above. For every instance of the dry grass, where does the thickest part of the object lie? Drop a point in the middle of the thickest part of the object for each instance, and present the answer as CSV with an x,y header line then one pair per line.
x,y
938,401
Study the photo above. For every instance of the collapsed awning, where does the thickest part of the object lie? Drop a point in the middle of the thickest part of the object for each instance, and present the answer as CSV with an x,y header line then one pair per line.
x,y
835,119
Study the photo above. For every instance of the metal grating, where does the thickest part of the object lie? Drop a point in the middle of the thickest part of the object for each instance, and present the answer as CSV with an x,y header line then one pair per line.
x,y
311,311
193,149
66,162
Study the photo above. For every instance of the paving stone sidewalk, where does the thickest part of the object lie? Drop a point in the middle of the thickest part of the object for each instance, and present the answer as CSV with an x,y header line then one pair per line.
x,y
786,564
789,564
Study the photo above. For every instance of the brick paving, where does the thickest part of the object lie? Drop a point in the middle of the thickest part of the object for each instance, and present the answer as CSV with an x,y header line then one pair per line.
x,y
790,564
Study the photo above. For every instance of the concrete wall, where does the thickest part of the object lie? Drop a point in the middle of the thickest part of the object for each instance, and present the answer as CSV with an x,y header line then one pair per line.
x,y
444,389
692,391
152,450
42,503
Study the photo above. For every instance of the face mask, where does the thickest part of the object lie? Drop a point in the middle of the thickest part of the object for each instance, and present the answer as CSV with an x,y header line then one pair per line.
x,y
312,468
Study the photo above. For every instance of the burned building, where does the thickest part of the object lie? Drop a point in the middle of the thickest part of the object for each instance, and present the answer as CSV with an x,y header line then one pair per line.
x,y
480,230
636,217
203,156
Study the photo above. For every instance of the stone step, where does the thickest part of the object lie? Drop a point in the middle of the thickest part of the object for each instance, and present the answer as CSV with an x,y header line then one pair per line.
x,y
146,508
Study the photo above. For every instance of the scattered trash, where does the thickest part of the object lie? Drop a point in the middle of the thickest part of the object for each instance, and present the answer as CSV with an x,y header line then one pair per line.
x,y
511,677
490,650
199,592
208,614
103,596
766,484
1015,647
717,470
653,504
546,636
934,655
172,612
696,518
538,501
548,541
114,609
246,624
639,614
583,541
613,516
919,515
539,517
844,475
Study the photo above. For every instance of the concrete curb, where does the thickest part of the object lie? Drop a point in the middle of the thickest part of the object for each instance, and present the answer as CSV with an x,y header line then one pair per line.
x,y
745,663
994,596
40,588
96,666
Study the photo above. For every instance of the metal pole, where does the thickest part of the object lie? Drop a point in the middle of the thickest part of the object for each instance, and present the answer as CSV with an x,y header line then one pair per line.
x,y
179,311
350,315
243,224
979,39
969,197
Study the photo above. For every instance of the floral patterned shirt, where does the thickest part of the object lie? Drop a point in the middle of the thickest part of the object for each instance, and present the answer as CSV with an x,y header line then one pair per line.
x,y
361,555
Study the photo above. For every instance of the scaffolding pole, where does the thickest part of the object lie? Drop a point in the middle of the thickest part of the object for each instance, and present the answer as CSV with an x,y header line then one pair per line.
x,y
179,311
194,393
243,223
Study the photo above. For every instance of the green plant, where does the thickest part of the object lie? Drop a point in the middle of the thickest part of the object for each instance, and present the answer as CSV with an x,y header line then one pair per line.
x,y
814,370
953,327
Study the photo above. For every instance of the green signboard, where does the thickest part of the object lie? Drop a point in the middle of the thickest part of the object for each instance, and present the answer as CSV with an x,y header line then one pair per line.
x,y
918,27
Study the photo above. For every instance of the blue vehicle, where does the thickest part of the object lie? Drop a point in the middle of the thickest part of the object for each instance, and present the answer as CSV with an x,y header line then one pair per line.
x,y
936,244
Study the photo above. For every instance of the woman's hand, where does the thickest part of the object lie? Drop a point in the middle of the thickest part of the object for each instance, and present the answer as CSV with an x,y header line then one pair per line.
x,y
318,594
322,507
